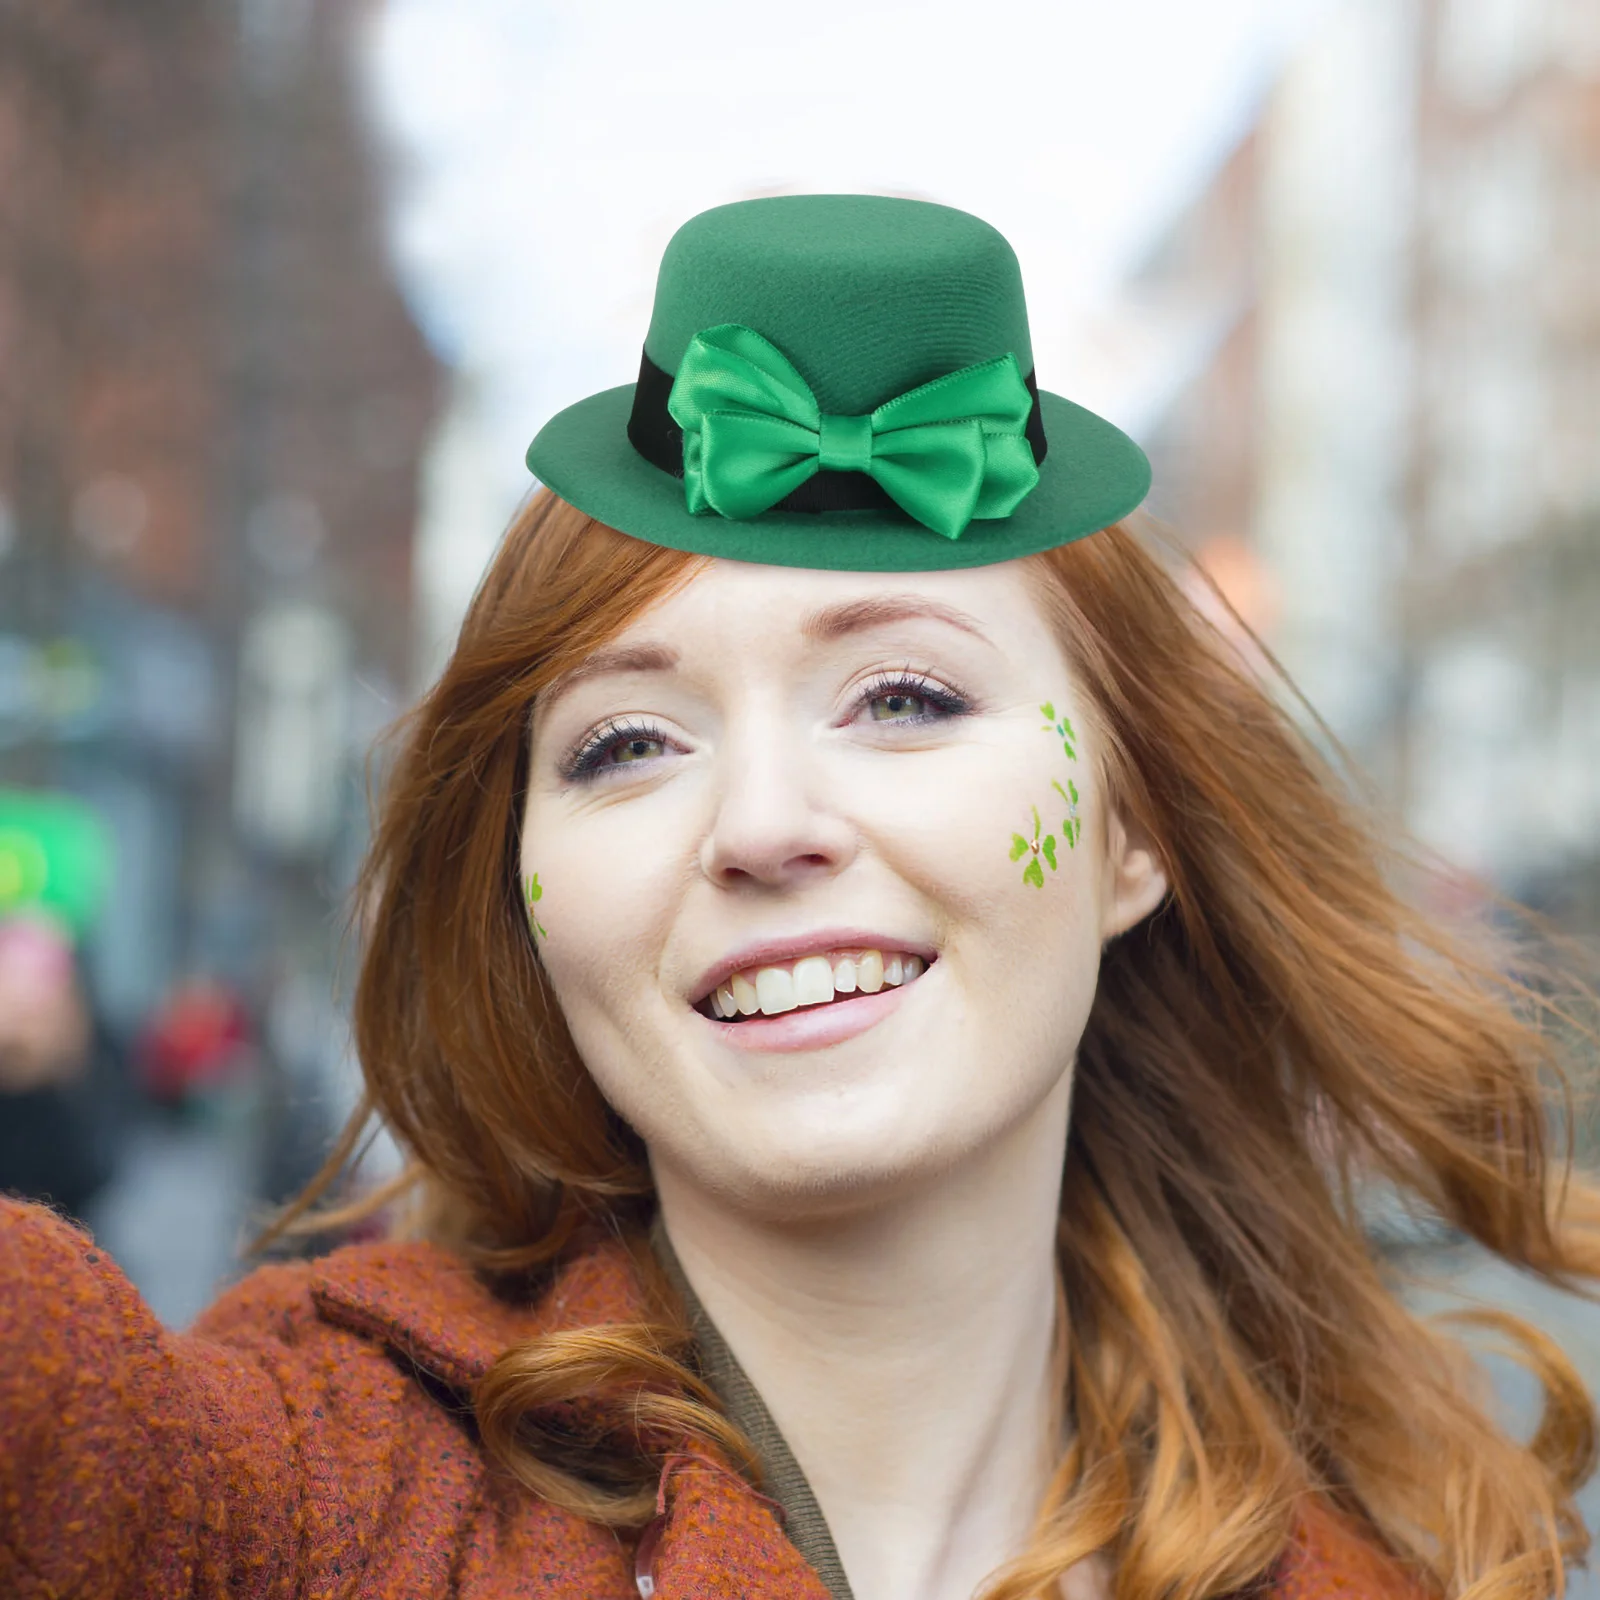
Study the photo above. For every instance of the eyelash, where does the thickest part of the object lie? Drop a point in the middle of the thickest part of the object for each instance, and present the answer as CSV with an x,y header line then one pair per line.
x,y
585,764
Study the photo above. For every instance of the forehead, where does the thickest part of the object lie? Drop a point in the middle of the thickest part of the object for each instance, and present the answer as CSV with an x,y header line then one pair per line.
x,y
737,604
739,621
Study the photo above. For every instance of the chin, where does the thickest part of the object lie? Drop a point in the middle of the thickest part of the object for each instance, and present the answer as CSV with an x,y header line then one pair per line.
x,y
794,1172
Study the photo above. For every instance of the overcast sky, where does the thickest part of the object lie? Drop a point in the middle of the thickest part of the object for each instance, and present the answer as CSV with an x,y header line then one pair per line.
x,y
544,154
548,151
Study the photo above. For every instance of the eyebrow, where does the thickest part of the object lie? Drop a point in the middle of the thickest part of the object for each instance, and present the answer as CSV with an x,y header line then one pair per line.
x,y
613,659
856,616
823,626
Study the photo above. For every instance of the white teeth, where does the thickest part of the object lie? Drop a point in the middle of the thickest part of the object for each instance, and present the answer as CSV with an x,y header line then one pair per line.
x,y
775,991
745,999
813,981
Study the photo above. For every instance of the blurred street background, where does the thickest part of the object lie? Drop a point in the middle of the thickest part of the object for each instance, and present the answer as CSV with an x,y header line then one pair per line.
x,y
287,285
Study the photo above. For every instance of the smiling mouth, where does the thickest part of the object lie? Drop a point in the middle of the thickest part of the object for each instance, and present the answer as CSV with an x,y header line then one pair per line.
x,y
811,981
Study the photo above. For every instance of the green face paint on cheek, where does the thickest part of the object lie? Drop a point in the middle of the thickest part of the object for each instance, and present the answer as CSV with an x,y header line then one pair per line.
x,y
1062,728
1036,849
1041,848
531,892
1071,826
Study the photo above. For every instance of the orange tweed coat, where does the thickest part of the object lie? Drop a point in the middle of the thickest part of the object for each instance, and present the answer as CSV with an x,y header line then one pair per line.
x,y
308,1439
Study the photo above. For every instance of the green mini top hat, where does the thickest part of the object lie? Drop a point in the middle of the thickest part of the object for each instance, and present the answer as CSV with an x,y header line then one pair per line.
x,y
841,381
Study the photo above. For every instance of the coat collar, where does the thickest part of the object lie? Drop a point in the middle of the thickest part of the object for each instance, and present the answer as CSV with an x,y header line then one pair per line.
x,y
429,1306
715,1536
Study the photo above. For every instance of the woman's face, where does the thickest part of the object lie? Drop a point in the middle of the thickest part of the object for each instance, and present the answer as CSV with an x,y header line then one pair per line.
x,y
772,796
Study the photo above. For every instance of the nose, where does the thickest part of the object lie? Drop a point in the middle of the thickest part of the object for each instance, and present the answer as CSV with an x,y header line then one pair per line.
x,y
775,824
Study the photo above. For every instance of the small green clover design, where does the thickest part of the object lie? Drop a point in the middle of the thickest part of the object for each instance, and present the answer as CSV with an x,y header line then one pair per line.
x,y
1062,727
530,893
1034,848
1072,827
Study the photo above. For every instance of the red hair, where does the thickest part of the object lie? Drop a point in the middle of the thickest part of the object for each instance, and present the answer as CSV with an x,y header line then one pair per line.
x,y
1285,1024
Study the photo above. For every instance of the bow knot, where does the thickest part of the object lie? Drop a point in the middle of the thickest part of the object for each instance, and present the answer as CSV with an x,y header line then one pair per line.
x,y
947,452
844,444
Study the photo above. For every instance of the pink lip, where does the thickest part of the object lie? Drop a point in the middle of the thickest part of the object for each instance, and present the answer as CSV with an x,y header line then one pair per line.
x,y
771,952
816,1026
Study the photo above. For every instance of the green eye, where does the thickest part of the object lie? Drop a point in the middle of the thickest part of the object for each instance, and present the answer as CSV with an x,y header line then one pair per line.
x,y
898,707
635,750
617,744
908,697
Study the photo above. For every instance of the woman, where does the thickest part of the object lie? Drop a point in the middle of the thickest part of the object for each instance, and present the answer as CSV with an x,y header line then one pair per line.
x,y
887,1018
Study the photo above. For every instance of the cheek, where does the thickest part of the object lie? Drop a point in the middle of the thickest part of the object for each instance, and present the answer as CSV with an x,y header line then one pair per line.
x,y
598,896
998,837
1002,846
614,881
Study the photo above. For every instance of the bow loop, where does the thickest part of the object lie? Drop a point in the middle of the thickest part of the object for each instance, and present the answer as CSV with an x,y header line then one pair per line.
x,y
934,472
738,463
991,394
734,368
945,452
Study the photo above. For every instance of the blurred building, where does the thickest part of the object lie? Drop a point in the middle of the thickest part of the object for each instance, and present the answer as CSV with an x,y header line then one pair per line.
x,y
212,401
1380,330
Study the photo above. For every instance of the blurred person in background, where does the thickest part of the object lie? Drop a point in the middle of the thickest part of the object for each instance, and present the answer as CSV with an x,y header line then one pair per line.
x,y
54,1128
885,1015
61,1074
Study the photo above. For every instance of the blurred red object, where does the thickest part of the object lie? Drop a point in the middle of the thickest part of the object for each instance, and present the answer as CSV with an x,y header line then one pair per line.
x,y
200,1039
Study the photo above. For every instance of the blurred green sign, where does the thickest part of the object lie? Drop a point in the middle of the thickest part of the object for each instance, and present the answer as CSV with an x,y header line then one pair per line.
x,y
54,857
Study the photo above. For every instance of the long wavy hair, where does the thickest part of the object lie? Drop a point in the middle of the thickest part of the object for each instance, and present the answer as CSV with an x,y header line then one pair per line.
x,y
1285,1028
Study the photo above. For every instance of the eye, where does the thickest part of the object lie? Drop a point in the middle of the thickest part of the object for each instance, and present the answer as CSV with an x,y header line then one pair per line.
x,y
614,745
898,706
908,697
634,750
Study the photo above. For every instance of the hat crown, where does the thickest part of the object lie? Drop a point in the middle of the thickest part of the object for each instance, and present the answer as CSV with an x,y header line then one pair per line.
x,y
868,296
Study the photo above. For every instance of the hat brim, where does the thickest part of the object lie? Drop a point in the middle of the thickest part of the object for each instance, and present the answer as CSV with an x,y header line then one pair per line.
x,y
1092,474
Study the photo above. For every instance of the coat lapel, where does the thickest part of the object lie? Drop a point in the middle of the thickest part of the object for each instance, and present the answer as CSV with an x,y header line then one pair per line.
x,y
426,1304
717,1538
723,1541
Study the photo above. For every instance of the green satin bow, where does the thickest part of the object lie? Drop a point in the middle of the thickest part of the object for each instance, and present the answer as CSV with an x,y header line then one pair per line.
x,y
945,452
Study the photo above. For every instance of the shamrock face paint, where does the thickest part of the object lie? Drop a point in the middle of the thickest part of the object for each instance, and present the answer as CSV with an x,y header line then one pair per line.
x,y
531,892
1036,849
1062,727
1044,848
1071,827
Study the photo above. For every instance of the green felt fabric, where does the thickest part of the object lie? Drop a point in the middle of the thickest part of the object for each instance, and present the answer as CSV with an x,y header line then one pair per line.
x,y
868,298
